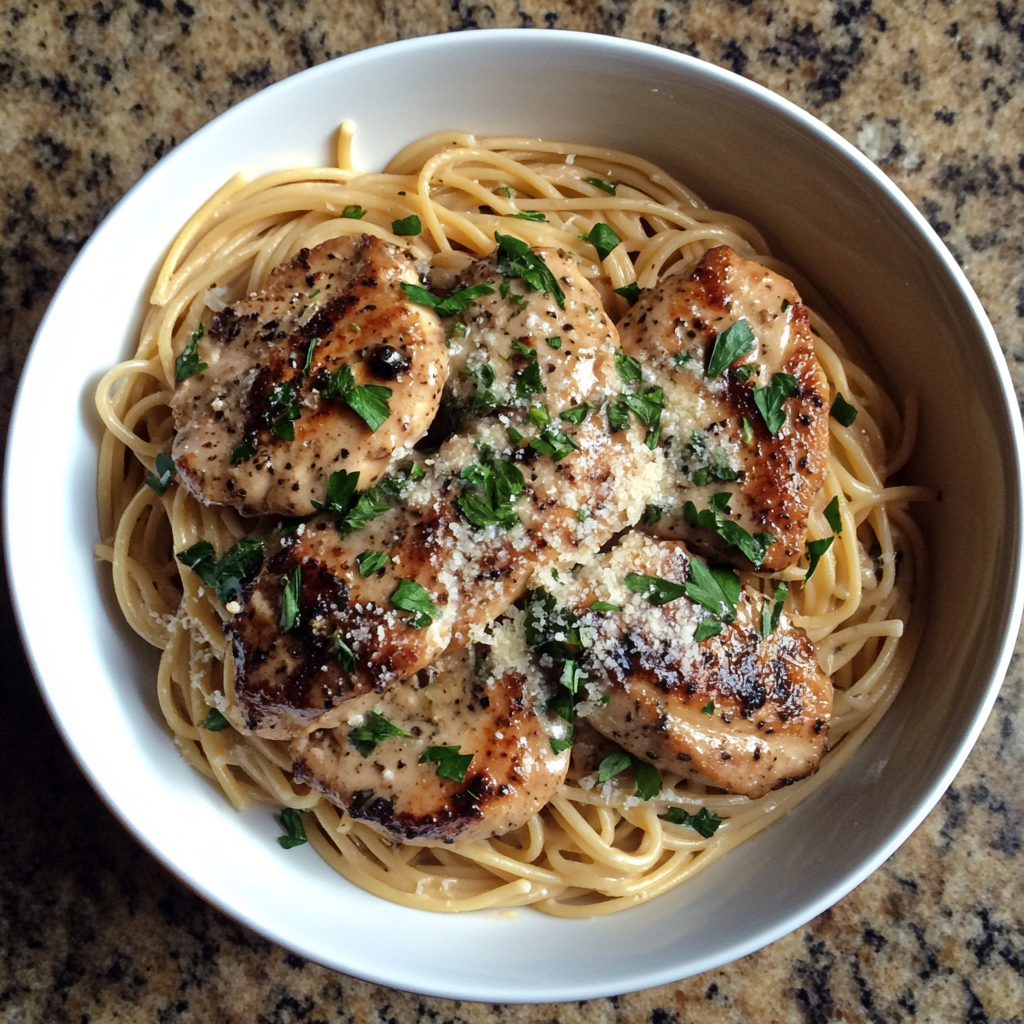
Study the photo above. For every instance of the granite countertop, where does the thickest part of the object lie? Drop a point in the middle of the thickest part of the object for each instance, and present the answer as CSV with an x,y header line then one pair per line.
x,y
92,929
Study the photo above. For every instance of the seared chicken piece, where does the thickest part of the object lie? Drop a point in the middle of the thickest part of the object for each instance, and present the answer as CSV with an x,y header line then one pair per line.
x,y
272,416
716,438
740,711
490,715
348,635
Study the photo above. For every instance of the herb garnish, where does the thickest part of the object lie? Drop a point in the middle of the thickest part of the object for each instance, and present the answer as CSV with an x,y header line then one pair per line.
x,y
517,259
769,400
604,186
771,611
450,763
646,777
407,225
815,549
604,606
630,292
290,599
554,342
459,300
733,343
714,587
833,516
603,239
411,596
646,403
704,821
576,414
370,562
294,830
500,485
708,627
227,575
652,513
709,708
397,483
215,721
313,342
346,656
187,364
353,212
528,379
557,746
366,737
529,215
554,443
165,470
753,547
282,409
654,589
369,401
841,410
352,510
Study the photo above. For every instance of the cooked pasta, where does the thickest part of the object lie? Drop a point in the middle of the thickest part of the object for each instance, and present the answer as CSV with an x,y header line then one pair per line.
x,y
595,848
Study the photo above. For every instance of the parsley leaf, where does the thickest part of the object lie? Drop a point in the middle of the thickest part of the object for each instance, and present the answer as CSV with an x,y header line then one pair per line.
x,y
528,379
769,400
411,596
576,414
618,416
614,764
647,406
539,415
346,656
294,830
745,371
747,433
709,708
604,606
730,345
517,259
353,212
529,215
630,292
165,470
628,368
282,409
833,516
842,410
603,239
370,562
654,589
815,549
647,779
771,611
290,599
243,453
459,300
313,342
351,512
557,746
652,513
407,225
215,721
704,821
753,547
450,763
369,401
187,364
604,186
708,627
228,575
378,727
501,484
555,341
554,443
398,482
717,589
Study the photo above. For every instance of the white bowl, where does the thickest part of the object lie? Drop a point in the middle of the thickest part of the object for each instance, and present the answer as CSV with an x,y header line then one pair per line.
x,y
822,206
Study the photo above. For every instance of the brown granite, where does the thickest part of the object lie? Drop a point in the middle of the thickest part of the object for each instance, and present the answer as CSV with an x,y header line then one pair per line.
x,y
91,928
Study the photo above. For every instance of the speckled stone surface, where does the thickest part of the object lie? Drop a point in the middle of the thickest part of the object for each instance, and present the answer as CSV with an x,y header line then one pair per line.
x,y
91,928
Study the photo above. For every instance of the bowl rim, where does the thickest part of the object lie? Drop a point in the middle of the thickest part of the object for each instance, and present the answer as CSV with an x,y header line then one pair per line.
x,y
1013,446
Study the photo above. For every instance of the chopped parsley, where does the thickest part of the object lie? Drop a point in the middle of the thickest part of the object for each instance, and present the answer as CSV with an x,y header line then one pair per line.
x,y
652,513
368,401
614,764
459,300
346,656
842,410
554,443
645,403
630,292
215,721
529,215
733,343
654,589
753,547
539,415
450,763
714,587
517,259
709,708
554,342
771,610
604,186
833,516
628,368
603,239
398,482
528,379
576,414
187,364
769,400
228,575
291,598
708,627
370,562
498,486
557,746
282,410
160,480
411,596
646,777
815,550
745,371
351,509
378,727
604,606
555,632
294,830
407,225
483,379
746,433
313,342
683,359
353,212
704,821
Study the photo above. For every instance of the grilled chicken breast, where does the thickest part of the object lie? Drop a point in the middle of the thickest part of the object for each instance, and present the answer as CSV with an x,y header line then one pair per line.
x,y
738,710
716,436
490,716
272,414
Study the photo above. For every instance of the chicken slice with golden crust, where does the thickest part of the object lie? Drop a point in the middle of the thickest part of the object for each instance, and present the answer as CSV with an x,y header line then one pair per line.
x,y
273,414
342,633
498,770
738,710
717,439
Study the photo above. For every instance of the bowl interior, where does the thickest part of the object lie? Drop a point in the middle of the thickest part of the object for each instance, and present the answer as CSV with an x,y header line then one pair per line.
x,y
823,208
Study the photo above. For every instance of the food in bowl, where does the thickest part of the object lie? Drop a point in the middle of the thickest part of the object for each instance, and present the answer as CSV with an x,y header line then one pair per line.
x,y
510,515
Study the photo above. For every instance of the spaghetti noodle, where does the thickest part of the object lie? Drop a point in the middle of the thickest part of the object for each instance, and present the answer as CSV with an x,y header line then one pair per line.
x,y
593,849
